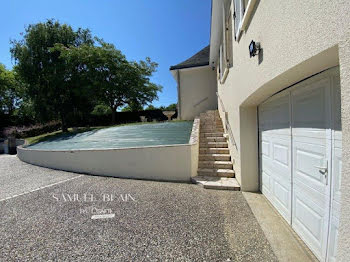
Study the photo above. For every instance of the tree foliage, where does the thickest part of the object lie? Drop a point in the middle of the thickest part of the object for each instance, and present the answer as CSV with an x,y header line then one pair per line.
x,y
171,107
116,81
49,85
68,74
10,91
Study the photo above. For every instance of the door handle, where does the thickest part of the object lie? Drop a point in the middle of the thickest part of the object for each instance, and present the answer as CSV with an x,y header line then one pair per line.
x,y
324,171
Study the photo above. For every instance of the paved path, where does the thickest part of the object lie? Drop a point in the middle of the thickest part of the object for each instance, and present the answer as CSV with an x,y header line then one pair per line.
x,y
17,177
153,221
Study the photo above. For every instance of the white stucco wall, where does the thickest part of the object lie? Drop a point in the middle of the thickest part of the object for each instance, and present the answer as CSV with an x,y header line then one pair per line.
x,y
168,163
197,91
164,163
344,231
299,39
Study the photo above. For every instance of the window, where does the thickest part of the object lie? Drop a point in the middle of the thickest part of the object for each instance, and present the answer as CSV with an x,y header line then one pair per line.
x,y
222,67
239,10
243,10
228,38
225,61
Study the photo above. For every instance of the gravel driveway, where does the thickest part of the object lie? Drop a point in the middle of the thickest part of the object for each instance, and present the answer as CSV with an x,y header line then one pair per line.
x,y
70,217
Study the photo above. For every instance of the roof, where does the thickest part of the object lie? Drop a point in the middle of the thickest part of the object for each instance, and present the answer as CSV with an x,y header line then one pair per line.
x,y
199,59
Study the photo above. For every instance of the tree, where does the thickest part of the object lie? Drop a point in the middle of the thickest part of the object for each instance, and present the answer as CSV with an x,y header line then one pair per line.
x,y
151,107
132,107
10,89
52,88
171,107
116,82
101,110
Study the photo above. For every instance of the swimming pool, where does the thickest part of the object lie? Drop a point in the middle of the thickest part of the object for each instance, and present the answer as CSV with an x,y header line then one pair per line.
x,y
161,151
153,134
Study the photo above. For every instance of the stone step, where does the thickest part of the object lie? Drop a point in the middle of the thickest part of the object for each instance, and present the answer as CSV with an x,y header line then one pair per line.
x,y
213,139
211,134
211,130
217,134
216,172
211,120
213,144
210,126
217,157
213,150
211,113
215,164
219,183
207,123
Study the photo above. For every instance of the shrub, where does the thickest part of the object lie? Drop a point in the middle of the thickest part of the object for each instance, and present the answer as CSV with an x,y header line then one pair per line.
x,y
33,130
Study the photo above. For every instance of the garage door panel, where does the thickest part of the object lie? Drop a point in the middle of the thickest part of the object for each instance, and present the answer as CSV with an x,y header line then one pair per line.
x,y
265,148
281,158
333,238
310,107
300,155
336,110
266,164
307,159
319,199
275,143
336,171
281,154
266,184
274,115
282,195
311,142
309,223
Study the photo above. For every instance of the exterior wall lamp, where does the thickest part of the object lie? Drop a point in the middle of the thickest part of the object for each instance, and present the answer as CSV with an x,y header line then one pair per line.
x,y
254,48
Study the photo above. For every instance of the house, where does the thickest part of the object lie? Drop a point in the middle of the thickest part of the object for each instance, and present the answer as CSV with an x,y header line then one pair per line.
x,y
196,85
283,94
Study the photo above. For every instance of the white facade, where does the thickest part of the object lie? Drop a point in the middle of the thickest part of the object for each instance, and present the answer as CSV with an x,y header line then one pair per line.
x,y
196,91
286,110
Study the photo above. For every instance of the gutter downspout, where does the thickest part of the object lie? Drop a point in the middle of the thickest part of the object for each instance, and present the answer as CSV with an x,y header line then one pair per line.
x,y
178,95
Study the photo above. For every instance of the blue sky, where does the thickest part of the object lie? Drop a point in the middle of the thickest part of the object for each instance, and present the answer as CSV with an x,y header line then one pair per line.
x,y
168,31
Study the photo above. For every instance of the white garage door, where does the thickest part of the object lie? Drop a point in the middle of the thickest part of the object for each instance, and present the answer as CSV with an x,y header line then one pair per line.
x,y
300,158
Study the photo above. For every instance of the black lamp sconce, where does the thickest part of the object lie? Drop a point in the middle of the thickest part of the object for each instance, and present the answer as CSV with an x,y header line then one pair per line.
x,y
254,48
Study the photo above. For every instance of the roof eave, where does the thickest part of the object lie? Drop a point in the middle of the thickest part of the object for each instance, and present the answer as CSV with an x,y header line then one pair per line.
x,y
188,66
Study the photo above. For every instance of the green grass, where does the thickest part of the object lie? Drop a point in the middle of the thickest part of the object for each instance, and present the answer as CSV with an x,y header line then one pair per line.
x,y
56,134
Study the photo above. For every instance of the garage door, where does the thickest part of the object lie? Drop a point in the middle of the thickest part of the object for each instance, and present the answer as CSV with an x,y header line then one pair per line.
x,y
300,158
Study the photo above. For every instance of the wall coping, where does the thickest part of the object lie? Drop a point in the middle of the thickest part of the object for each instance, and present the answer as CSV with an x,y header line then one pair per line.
x,y
195,132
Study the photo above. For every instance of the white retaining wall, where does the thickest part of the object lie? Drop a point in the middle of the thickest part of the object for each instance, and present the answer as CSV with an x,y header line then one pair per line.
x,y
167,163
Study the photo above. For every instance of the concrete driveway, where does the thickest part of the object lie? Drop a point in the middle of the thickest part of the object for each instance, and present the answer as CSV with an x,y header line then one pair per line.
x,y
48,215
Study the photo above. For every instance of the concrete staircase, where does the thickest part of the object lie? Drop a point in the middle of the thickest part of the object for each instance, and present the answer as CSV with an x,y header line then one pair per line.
x,y
215,167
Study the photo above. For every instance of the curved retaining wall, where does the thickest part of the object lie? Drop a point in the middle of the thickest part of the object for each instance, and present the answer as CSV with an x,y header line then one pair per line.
x,y
167,163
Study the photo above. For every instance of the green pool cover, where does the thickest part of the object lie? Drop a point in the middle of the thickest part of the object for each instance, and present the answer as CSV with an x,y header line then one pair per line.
x,y
167,133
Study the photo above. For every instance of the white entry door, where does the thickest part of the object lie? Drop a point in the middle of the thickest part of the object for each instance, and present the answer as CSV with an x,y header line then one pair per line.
x,y
336,170
300,159
275,153
311,146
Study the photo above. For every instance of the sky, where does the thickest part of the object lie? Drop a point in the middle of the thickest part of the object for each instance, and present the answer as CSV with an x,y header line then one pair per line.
x,y
168,31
